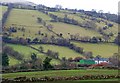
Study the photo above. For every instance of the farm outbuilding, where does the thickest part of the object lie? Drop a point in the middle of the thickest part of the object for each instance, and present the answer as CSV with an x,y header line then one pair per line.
x,y
101,60
87,62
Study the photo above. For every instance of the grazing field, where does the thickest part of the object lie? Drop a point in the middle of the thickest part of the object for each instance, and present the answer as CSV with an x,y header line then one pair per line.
x,y
25,17
78,17
72,29
63,51
27,51
104,50
61,73
13,61
67,30
28,19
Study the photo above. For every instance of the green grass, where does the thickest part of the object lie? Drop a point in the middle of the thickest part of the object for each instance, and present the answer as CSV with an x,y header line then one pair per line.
x,y
28,19
63,51
61,73
105,50
26,51
77,17
73,30
13,61
25,17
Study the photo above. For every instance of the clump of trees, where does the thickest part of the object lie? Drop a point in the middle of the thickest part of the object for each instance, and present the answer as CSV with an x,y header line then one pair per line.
x,y
41,49
46,64
12,29
11,52
52,54
20,40
89,24
88,55
94,40
5,59
117,40
77,59
115,59
40,20
35,61
110,25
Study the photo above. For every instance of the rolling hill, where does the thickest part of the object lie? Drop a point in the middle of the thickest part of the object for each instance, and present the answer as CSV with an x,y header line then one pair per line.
x,y
28,19
104,50
68,53
27,54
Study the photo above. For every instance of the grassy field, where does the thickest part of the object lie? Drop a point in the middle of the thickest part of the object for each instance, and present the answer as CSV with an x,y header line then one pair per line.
x,y
67,30
63,51
61,73
72,29
26,51
28,19
13,61
77,17
105,50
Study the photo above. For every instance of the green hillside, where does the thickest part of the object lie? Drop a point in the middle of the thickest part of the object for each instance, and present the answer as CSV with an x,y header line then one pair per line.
x,y
28,19
17,19
47,44
63,51
72,29
83,18
104,50
67,30
26,51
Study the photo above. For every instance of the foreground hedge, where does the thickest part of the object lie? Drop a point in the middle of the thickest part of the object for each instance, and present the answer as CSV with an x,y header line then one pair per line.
x,y
85,77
